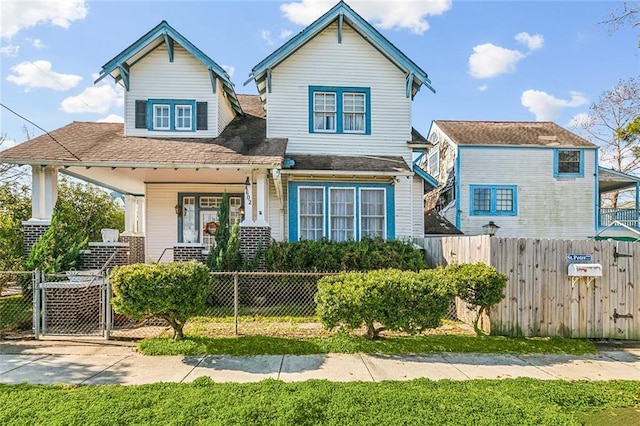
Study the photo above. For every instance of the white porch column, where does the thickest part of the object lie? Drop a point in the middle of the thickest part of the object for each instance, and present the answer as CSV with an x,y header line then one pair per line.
x,y
44,192
261,198
248,206
133,215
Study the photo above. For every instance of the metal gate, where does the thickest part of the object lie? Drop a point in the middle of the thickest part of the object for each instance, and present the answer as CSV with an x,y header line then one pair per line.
x,y
76,303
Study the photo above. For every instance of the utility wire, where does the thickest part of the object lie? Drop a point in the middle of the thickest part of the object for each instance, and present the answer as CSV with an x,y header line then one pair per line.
x,y
34,124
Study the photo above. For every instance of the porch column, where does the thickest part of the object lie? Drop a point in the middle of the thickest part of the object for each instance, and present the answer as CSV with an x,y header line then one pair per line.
x,y
133,215
44,192
248,206
261,198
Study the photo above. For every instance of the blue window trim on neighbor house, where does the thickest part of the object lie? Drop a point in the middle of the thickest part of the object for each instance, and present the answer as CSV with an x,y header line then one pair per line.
x,y
197,195
493,209
339,91
557,173
172,114
390,212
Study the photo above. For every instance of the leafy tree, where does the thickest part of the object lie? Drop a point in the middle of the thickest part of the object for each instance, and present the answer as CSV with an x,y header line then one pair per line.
x,y
173,291
15,207
611,122
10,173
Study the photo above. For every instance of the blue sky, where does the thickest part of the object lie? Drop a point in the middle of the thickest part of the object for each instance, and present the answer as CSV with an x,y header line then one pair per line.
x,y
488,60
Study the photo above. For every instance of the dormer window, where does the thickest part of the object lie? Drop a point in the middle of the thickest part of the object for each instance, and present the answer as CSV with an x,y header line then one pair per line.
x,y
184,117
171,115
339,110
161,117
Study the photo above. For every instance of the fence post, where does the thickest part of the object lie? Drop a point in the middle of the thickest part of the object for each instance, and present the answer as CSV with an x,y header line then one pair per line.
x,y
35,294
107,307
235,303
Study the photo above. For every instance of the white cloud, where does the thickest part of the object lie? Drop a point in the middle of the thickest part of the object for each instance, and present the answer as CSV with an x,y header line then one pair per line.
x,y
37,43
580,120
272,39
285,34
98,99
533,42
398,14
489,60
266,36
38,74
6,144
18,15
547,107
483,88
11,50
111,118
230,69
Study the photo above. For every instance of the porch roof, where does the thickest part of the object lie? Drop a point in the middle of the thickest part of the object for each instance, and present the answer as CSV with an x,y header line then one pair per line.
x,y
242,143
387,165
612,180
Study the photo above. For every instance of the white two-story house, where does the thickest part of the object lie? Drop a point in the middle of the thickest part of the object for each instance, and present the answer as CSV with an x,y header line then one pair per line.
x,y
531,179
324,150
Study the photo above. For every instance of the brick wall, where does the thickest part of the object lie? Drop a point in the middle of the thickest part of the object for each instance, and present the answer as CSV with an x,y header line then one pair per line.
x,y
98,253
136,248
185,253
32,232
253,239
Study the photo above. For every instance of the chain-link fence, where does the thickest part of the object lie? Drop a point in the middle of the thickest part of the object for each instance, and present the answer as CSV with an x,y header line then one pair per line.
x,y
16,304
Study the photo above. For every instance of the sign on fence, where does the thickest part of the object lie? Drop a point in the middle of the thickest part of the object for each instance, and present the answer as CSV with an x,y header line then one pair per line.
x,y
578,258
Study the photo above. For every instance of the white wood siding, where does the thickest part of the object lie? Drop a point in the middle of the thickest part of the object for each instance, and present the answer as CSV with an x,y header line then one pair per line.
x,y
418,207
225,111
548,207
275,216
353,63
154,77
404,218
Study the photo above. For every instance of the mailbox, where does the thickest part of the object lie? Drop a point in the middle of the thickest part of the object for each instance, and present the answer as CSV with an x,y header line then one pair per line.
x,y
585,270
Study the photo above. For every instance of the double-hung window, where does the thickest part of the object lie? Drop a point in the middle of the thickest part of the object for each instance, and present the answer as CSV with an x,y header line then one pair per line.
x,y
340,211
161,117
184,117
568,163
339,110
170,115
493,200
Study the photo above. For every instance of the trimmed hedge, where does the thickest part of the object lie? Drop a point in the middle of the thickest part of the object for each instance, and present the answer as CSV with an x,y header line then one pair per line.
x,y
324,255
173,291
399,300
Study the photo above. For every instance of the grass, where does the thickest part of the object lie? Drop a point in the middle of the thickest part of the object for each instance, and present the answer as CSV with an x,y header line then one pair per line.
x,y
15,313
344,343
271,402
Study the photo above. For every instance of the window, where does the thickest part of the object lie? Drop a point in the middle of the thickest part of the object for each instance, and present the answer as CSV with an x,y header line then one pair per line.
x,y
340,211
433,162
170,115
568,163
339,110
197,210
495,200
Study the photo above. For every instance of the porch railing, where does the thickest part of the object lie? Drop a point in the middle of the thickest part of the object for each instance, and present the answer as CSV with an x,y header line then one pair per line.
x,y
629,217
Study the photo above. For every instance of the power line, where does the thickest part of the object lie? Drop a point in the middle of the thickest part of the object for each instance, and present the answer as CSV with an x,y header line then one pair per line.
x,y
40,128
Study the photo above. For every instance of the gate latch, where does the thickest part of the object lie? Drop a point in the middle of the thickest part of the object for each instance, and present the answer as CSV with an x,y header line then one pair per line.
x,y
616,315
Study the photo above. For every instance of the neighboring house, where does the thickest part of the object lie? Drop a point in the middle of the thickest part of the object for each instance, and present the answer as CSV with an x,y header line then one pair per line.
x,y
532,179
331,158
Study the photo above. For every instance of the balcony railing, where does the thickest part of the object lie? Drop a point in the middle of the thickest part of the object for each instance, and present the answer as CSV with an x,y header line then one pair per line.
x,y
628,217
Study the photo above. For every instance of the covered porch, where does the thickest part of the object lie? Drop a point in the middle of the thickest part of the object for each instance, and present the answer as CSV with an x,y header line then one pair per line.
x,y
621,219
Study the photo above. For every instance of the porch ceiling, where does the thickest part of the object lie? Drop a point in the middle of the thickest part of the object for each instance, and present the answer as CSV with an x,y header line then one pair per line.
x,y
611,180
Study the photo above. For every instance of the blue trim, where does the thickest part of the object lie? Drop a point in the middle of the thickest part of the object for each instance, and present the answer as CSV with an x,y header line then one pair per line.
x,y
494,208
172,119
367,31
425,176
160,31
340,91
457,186
390,214
557,174
169,42
523,147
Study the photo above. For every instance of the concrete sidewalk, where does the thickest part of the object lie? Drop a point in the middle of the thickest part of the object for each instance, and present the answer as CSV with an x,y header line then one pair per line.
x,y
82,362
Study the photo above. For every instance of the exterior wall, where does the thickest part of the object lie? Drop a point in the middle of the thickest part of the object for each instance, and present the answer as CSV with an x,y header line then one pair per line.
x,y
405,220
32,233
154,77
187,252
353,63
136,247
98,254
225,112
275,215
417,207
253,239
547,207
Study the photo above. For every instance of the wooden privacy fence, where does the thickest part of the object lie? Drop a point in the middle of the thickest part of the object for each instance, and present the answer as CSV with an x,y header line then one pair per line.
x,y
541,299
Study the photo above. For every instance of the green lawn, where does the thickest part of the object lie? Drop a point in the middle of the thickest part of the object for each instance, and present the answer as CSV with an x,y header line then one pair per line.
x,y
271,402
343,343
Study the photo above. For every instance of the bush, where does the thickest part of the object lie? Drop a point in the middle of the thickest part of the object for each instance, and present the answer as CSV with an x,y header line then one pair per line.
x,y
399,300
173,291
478,285
324,255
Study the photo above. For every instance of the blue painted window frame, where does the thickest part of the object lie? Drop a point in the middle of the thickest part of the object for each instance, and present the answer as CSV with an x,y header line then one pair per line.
x,y
151,103
340,91
197,195
293,206
556,164
493,211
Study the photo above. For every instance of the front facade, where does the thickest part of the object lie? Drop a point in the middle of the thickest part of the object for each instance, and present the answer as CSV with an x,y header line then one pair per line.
x,y
532,179
324,150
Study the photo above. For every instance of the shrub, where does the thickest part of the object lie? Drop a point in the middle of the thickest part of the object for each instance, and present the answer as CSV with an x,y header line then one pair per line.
x,y
399,300
478,285
324,255
173,291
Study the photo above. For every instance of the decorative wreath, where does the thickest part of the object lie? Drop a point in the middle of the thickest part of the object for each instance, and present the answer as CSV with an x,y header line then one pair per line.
x,y
210,228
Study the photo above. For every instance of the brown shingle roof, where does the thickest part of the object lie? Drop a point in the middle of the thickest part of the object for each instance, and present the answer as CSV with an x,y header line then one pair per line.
x,y
251,105
350,163
243,142
514,133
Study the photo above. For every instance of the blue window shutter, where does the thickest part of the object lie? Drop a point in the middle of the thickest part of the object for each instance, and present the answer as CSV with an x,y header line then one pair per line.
x,y
141,114
202,116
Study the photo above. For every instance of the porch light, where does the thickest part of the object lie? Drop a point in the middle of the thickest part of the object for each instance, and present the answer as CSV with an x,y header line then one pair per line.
x,y
490,228
179,210
241,212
